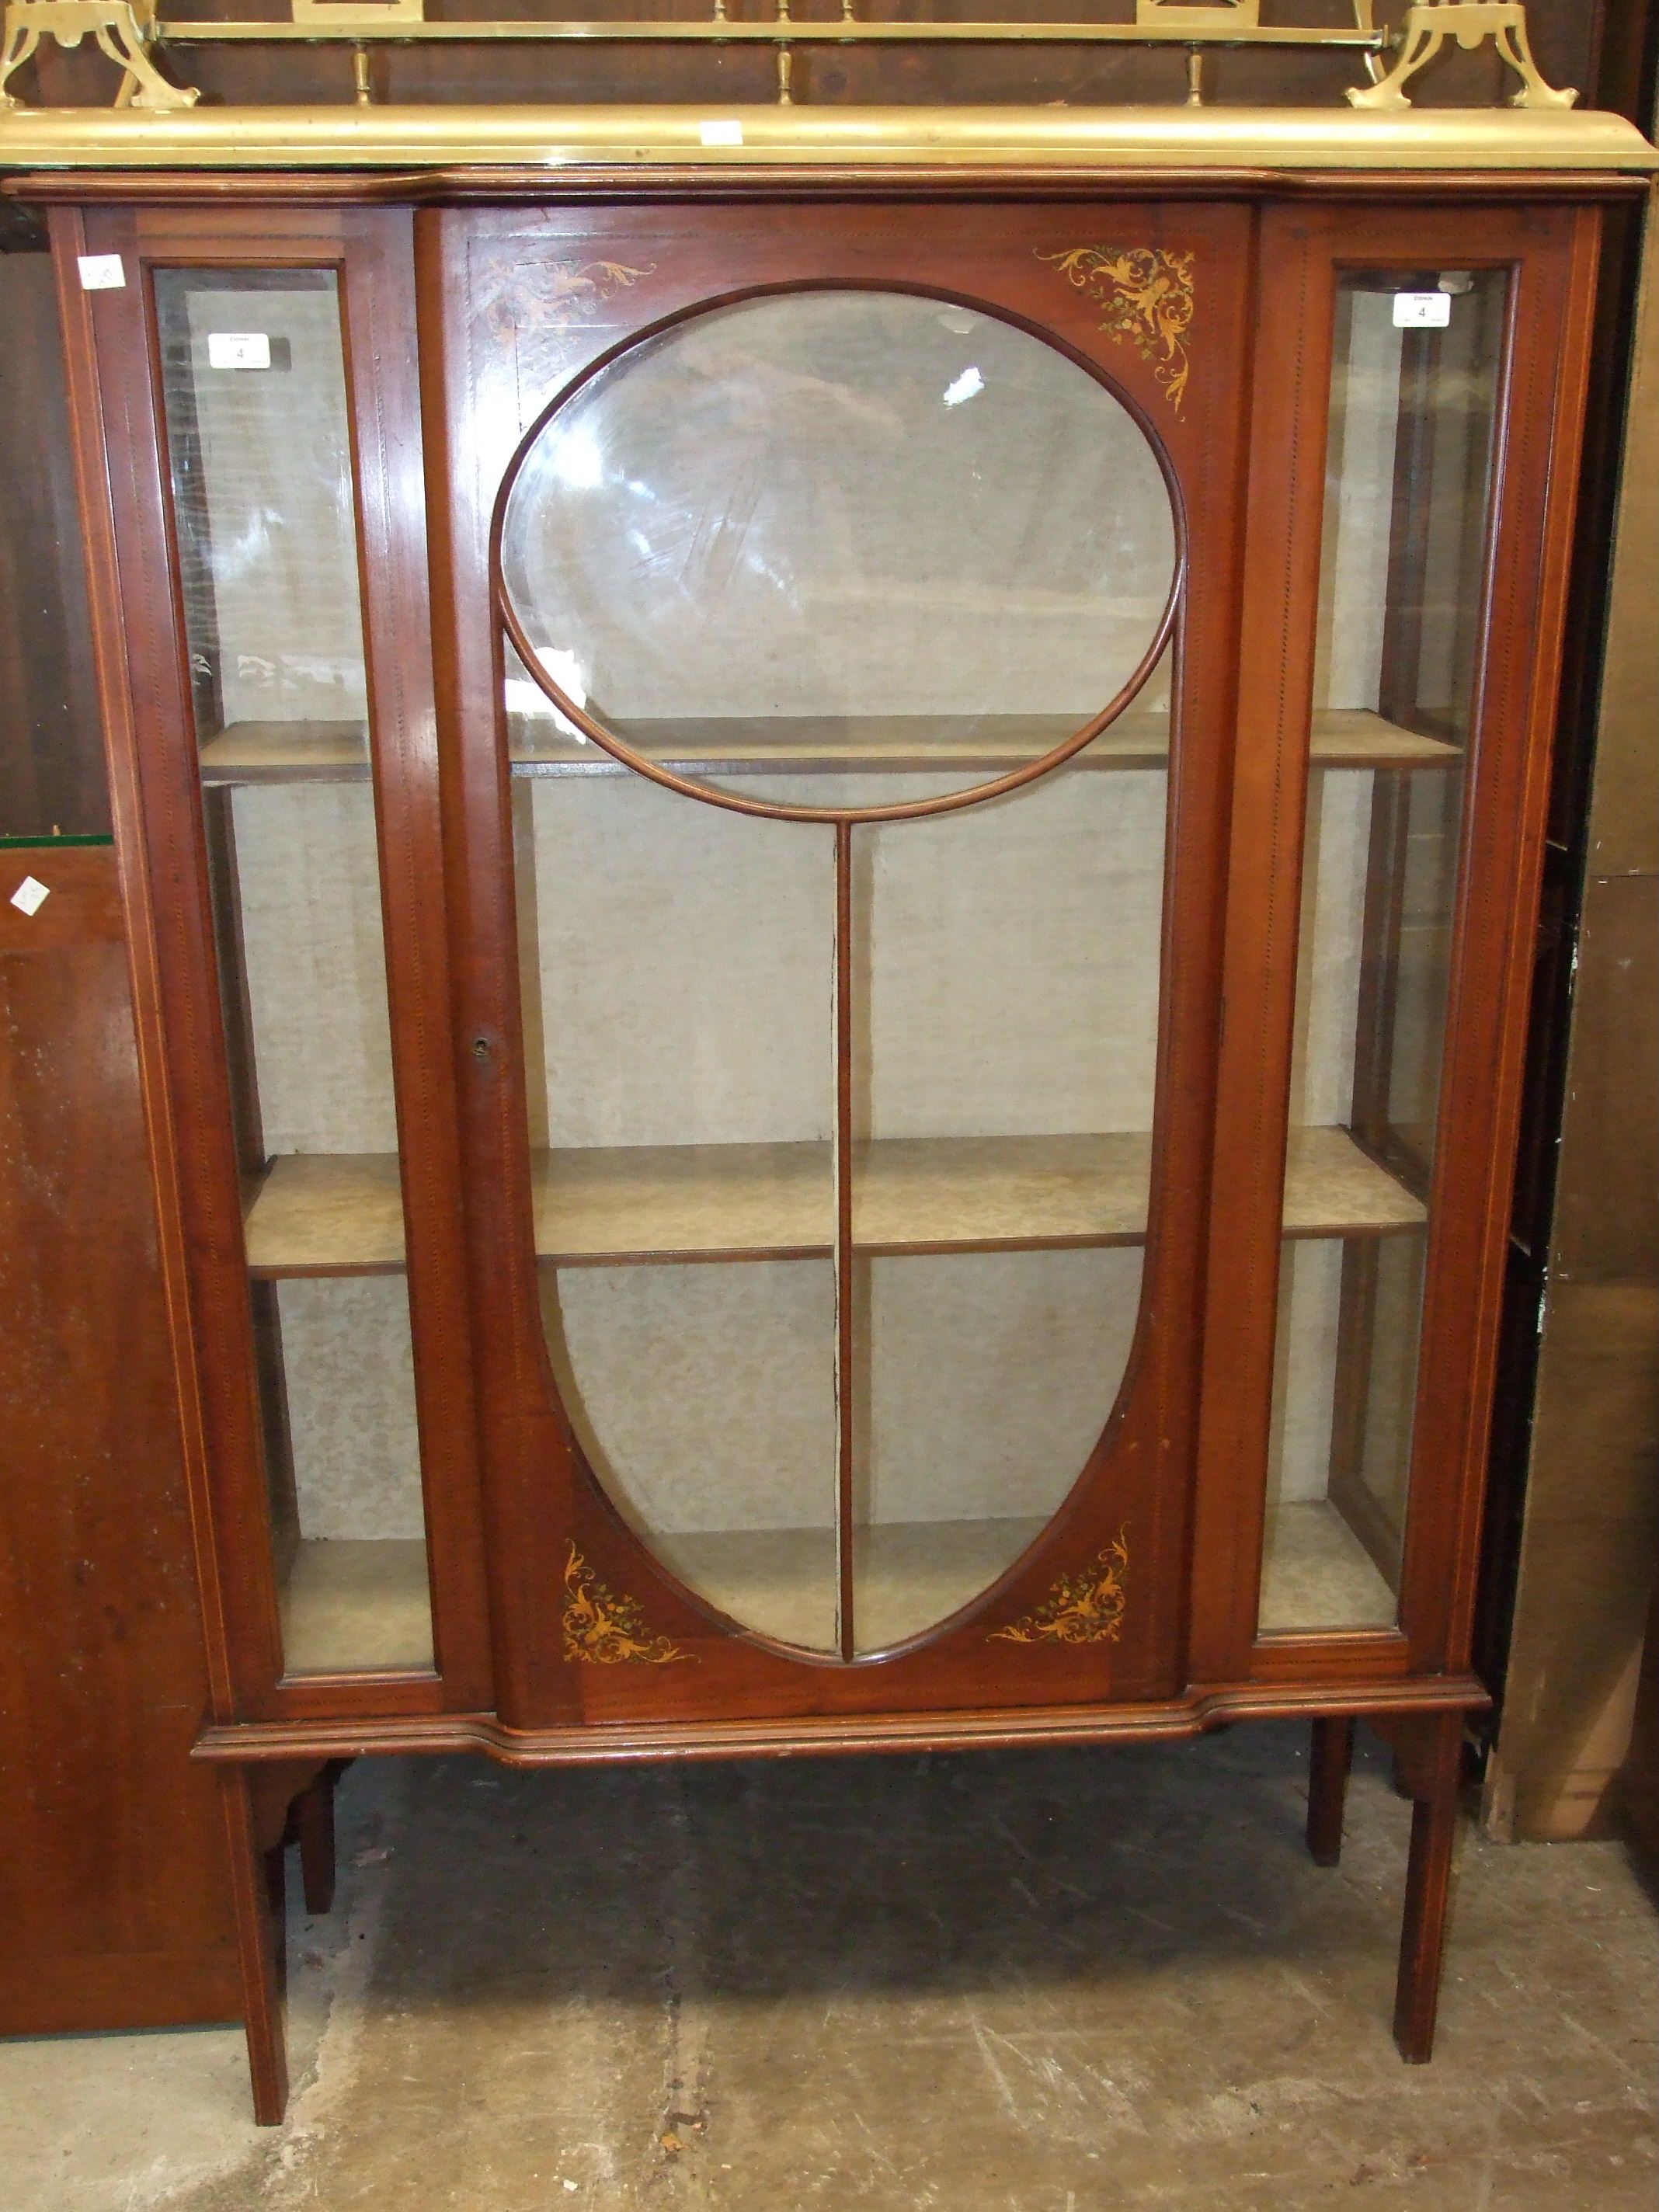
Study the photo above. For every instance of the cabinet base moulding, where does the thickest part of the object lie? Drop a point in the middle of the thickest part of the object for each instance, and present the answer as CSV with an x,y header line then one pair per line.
x,y
1200,1709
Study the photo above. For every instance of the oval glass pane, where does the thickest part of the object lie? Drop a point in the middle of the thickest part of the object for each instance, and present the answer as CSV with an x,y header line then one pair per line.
x,y
835,530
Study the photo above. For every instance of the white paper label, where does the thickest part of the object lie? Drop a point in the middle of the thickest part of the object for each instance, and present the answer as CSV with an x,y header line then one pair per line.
x,y
238,350
1421,311
30,896
722,134
100,272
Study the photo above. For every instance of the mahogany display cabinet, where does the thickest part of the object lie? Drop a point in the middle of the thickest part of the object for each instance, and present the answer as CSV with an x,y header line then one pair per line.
x,y
830,847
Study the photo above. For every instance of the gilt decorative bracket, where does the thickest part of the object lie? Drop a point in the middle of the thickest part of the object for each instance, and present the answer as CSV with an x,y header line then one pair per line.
x,y
124,30
1430,23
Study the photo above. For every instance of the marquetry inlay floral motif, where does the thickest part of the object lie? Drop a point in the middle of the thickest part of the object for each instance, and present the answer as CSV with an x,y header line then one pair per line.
x,y
1086,1609
555,296
604,1630
1147,295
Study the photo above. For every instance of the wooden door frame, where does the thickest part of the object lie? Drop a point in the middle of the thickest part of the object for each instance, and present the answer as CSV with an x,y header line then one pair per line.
x,y
1553,254
541,1498
141,663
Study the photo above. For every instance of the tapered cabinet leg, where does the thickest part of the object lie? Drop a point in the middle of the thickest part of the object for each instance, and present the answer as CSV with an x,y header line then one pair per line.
x,y
1328,1786
256,1879
313,1824
1431,1771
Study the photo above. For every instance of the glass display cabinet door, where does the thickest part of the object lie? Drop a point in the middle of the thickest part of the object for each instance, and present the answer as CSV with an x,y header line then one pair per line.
x,y
1414,397
265,518
836,682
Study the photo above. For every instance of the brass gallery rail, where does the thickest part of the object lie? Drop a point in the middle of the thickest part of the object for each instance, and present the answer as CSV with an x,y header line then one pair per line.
x,y
377,21
130,33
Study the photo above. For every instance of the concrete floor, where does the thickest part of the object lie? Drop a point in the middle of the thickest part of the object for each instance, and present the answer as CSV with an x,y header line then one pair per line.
x,y
1055,1982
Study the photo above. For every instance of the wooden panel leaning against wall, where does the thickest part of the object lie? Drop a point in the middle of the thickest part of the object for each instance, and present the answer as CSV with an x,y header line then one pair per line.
x,y
113,1889
1585,1571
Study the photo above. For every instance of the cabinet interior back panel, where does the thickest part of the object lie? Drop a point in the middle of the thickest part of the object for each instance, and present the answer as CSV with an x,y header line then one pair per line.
x,y
349,1365
1353,596
315,952
275,470
705,1394
1005,975
1335,866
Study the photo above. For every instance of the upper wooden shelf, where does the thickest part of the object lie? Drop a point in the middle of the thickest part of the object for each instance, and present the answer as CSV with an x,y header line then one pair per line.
x,y
337,752
333,1214
288,752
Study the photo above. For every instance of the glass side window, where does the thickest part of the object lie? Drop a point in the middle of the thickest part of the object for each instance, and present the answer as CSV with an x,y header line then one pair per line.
x,y
1414,398
844,1133
265,508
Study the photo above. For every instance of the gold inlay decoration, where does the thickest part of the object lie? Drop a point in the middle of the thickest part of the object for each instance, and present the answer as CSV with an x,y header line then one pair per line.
x,y
1086,1609
1147,296
554,296
604,1630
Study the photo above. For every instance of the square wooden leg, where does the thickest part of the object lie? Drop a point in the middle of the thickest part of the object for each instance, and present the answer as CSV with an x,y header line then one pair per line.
x,y
313,1830
1328,1785
256,1880
1430,1757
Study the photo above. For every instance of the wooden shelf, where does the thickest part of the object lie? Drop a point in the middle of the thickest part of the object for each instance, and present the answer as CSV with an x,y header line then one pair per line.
x,y
288,752
1342,738
1316,1573
327,1213
341,1213
907,1576
1352,737
806,744
354,1604
351,1606
337,752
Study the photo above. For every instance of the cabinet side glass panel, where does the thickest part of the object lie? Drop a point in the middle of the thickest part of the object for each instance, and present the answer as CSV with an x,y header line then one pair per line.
x,y
1414,405
265,506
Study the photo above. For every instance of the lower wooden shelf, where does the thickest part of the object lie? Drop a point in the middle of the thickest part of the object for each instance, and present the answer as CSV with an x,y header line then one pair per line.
x,y
907,1576
353,1605
362,1605
342,1213
1316,1574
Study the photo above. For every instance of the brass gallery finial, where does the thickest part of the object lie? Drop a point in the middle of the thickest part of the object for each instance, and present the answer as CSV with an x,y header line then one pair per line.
x,y
130,31
1430,23
125,30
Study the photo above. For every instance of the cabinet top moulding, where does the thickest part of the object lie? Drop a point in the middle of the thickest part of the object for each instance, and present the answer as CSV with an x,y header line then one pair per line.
x,y
498,152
